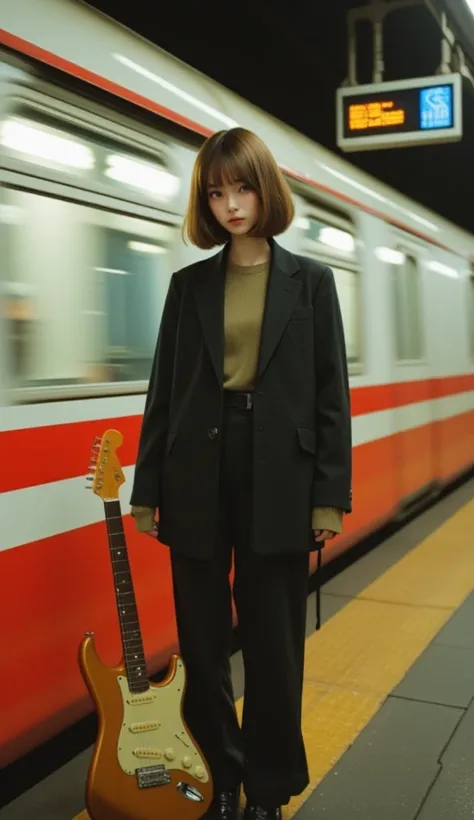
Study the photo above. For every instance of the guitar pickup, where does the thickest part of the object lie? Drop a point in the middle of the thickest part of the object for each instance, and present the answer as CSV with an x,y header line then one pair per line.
x,y
138,700
150,726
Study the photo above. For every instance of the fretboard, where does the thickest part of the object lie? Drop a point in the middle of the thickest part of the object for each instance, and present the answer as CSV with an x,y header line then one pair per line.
x,y
132,644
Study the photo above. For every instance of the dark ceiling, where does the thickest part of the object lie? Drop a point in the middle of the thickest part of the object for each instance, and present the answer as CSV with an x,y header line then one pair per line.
x,y
289,57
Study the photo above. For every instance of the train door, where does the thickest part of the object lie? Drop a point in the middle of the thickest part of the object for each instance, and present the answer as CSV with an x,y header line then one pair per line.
x,y
412,372
330,236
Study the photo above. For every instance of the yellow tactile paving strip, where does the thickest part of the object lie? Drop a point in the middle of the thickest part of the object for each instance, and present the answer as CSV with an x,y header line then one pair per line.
x,y
363,652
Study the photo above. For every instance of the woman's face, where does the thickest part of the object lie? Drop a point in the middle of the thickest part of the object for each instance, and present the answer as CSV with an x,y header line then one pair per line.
x,y
235,206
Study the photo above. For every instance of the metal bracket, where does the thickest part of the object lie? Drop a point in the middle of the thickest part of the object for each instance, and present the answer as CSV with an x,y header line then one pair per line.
x,y
452,55
376,12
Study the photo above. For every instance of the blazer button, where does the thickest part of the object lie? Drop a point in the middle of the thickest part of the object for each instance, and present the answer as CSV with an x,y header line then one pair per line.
x,y
213,432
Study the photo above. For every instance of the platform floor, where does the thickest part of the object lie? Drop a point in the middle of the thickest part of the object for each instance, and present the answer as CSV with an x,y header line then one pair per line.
x,y
414,759
389,683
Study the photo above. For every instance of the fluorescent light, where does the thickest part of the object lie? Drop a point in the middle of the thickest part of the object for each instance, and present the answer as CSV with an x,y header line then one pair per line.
x,y
390,256
365,190
470,3
422,220
150,178
352,182
335,238
444,270
112,270
155,78
41,144
145,247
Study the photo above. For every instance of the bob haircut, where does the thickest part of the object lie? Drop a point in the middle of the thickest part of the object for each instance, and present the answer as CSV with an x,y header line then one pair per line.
x,y
233,156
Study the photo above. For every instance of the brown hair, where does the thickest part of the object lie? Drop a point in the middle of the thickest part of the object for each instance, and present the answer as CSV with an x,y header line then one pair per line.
x,y
236,155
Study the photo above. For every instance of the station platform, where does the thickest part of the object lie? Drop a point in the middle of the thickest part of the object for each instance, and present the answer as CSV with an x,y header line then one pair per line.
x,y
388,711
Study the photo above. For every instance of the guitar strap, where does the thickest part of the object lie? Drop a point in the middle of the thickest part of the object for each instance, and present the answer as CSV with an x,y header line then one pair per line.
x,y
318,589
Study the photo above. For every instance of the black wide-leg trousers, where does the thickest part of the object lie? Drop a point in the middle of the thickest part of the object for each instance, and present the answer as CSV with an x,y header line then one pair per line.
x,y
267,754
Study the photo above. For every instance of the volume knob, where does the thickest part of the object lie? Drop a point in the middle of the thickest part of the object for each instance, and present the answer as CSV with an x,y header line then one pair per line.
x,y
169,754
199,771
187,762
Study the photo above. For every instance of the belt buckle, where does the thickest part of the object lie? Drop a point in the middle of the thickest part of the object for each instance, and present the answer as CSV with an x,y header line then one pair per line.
x,y
249,398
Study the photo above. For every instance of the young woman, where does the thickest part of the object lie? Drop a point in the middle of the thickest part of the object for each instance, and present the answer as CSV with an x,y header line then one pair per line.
x,y
245,451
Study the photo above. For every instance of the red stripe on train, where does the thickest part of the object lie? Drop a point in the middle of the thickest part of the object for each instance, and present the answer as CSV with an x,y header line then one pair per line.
x,y
40,455
44,56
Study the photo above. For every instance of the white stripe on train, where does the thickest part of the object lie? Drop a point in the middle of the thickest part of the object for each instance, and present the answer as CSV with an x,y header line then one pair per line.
x,y
22,417
45,510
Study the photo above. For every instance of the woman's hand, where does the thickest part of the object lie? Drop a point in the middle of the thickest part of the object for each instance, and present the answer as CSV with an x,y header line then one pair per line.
x,y
153,533
323,535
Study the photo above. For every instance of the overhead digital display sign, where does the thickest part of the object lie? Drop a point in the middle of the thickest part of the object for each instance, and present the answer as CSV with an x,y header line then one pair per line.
x,y
419,111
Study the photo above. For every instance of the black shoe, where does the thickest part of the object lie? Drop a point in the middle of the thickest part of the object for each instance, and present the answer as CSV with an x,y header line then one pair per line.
x,y
255,812
225,806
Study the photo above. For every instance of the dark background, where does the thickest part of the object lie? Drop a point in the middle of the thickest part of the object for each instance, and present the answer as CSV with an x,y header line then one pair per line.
x,y
289,57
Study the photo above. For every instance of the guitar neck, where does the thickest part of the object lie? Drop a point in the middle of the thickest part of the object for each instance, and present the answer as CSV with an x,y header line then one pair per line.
x,y
132,644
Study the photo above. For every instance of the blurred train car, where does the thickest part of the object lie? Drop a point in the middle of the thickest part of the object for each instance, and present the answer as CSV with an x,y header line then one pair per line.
x,y
98,133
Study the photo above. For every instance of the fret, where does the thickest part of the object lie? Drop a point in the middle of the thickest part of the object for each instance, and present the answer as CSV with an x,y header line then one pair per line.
x,y
115,526
120,566
117,540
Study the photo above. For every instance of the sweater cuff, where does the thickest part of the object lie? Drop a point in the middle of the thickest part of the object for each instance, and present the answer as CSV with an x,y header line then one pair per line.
x,y
144,518
327,518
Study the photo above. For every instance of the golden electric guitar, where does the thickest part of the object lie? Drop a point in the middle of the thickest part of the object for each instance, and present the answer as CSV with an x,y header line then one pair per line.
x,y
145,764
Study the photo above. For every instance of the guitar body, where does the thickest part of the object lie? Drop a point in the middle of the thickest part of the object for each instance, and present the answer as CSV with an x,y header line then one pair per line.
x,y
142,735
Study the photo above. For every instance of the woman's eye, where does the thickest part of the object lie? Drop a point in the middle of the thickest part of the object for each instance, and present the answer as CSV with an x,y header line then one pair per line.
x,y
214,194
245,188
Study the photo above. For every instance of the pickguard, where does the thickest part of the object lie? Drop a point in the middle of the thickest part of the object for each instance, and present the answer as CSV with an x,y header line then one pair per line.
x,y
153,732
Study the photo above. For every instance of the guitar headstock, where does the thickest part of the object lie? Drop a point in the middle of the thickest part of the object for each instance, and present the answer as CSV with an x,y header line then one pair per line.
x,y
105,473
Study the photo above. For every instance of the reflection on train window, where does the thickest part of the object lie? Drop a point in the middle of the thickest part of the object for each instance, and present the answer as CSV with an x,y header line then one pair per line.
x,y
335,245
407,307
82,154
83,292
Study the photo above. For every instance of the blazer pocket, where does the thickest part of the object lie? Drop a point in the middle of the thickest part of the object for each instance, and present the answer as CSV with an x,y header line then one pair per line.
x,y
307,439
301,313
170,440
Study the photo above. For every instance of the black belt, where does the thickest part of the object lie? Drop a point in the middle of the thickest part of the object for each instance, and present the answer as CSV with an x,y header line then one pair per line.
x,y
240,401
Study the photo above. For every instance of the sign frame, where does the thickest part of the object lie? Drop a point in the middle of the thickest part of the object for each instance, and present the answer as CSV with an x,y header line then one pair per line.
x,y
374,142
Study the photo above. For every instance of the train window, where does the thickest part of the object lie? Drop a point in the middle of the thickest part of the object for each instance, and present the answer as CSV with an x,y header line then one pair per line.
x,y
407,308
332,241
83,155
82,295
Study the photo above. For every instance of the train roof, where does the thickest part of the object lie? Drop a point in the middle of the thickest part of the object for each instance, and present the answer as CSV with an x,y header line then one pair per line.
x,y
74,37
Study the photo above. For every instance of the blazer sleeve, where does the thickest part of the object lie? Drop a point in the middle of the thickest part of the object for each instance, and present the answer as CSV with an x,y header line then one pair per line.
x,y
146,484
333,473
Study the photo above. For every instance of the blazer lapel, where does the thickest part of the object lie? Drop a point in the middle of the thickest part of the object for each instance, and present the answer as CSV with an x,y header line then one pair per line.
x,y
282,293
209,294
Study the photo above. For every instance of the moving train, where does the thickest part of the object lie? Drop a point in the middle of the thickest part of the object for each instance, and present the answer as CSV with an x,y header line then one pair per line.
x,y
98,133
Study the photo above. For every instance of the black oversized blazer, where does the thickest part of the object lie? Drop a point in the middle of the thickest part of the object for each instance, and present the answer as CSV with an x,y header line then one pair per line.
x,y
301,408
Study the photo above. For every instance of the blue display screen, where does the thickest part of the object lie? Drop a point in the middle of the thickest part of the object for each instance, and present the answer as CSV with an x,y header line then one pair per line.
x,y
436,107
